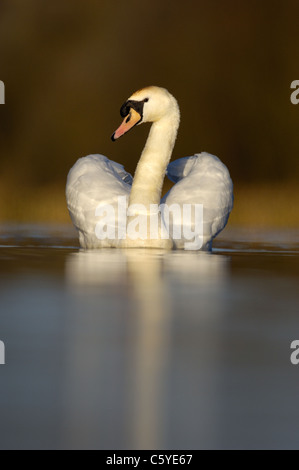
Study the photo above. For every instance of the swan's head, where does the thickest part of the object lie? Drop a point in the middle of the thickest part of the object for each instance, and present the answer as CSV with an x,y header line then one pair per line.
x,y
147,105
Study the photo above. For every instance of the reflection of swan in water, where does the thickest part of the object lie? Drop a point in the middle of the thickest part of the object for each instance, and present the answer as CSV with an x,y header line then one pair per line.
x,y
150,285
100,267
96,268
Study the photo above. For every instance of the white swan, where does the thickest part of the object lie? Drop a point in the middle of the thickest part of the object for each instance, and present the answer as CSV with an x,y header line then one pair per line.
x,y
95,181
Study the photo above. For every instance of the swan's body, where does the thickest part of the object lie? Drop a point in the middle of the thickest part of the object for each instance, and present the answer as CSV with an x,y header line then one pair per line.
x,y
95,181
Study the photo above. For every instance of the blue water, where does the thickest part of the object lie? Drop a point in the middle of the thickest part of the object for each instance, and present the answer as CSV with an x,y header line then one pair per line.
x,y
146,349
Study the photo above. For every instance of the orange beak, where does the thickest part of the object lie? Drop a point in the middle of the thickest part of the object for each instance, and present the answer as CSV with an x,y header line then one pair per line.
x,y
130,121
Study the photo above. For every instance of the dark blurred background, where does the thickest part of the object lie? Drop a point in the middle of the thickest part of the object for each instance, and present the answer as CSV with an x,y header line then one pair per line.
x,y
68,67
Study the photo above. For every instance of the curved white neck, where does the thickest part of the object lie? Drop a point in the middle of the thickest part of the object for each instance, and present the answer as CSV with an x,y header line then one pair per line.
x,y
150,171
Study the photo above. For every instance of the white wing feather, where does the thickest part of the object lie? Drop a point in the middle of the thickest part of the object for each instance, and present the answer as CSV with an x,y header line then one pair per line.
x,y
202,179
93,181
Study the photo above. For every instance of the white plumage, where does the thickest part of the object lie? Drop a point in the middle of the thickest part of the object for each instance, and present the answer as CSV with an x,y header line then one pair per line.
x,y
202,179
96,181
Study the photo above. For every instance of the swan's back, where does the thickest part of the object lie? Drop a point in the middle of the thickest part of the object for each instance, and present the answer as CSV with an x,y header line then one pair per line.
x,y
202,179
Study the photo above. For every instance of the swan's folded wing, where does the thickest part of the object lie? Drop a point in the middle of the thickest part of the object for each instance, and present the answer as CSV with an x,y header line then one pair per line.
x,y
93,181
119,170
180,168
202,179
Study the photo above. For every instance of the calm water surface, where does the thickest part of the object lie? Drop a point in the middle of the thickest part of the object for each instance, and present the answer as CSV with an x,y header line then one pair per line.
x,y
146,349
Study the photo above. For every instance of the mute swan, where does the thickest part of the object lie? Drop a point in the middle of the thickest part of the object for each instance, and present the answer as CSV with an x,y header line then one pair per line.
x,y
95,181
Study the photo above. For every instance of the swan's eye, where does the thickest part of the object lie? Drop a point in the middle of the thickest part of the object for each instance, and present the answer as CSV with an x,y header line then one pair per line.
x,y
146,100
